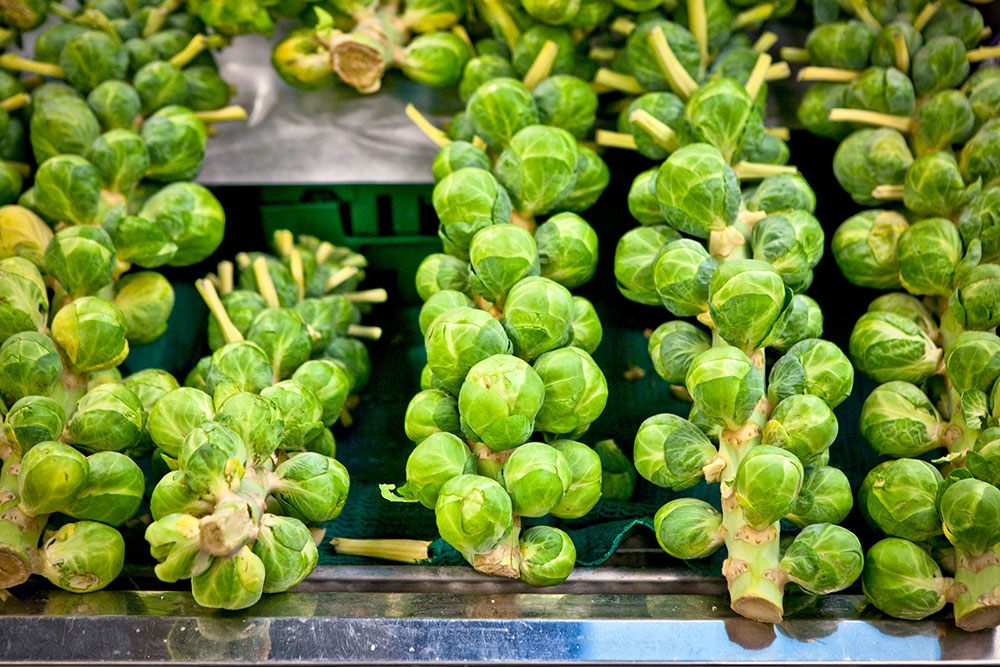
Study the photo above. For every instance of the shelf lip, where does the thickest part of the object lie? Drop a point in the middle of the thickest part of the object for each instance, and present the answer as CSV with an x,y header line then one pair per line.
x,y
158,627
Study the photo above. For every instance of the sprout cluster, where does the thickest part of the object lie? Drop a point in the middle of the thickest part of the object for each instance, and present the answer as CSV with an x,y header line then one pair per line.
x,y
235,514
916,129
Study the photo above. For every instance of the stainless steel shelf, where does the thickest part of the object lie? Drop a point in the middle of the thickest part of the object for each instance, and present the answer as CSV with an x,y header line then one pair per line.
x,y
393,615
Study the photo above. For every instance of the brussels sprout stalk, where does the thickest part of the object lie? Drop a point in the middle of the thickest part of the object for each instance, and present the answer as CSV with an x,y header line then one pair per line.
x,y
973,594
433,133
19,532
234,112
505,559
680,81
197,44
12,61
412,552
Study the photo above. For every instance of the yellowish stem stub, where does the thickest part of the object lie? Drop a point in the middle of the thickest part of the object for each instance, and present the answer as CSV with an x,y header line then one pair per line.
x,y
542,67
434,134
756,78
678,78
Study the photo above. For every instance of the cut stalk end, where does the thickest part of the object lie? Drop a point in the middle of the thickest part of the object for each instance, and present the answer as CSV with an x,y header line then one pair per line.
x,y
298,272
660,132
367,332
678,78
829,74
778,71
765,42
16,102
754,170
15,62
925,15
904,124
752,16
983,53
623,25
892,192
265,285
542,67
757,74
226,271
782,133
901,54
207,291
757,609
377,295
341,277
230,113
620,82
794,54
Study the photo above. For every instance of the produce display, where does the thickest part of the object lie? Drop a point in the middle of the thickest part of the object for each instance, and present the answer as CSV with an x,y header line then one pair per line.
x,y
917,129
231,477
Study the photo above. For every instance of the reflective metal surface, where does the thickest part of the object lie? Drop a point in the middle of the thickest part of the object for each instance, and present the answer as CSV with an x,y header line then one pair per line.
x,y
468,619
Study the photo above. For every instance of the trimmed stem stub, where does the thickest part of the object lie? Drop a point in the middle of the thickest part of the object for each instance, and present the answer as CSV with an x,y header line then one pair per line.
x,y
542,67
615,140
828,74
660,132
904,124
505,559
433,133
616,81
675,74
399,550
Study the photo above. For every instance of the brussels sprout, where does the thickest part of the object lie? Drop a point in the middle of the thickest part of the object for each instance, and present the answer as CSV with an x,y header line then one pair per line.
x,y
803,425
499,109
939,64
814,110
174,541
176,414
441,302
725,386
815,367
688,528
479,70
196,378
592,177
981,460
120,158
23,233
530,334
975,302
909,307
825,497
204,89
68,189
865,248
823,559
536,476
845,45
538,168
146,299
767,485
92,57
33,419
50,477
934,186
139,241
498,402
230,583
140,52
24,303
718,113
900,499
664,107
212,458
782,192
108,417
643,61
671,451
682,273
436,459
435,59
287,550
313,488
459,155
500,257
898,420
171,495
473,513
256,420
792,243
159,84
547,556
587,329
193,218
884,47
242,306
11,183
970,515
746,299
566,102
175,138
902,580
886,346
113,490
803,319
328,382
586,480
869,158
698,191
575,391
284,337
635,257
459,339
30,365
91,333
946,118
49,43
241,366
642,201
83,557
525,52
467,201
302,60
300,410
439,272
352,354
431,411
617,472
150,385
982,90
881,90
979,155
673,346
973,361
929,252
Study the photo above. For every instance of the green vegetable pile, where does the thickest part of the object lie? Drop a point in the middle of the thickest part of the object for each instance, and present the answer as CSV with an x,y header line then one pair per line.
x,y
916,128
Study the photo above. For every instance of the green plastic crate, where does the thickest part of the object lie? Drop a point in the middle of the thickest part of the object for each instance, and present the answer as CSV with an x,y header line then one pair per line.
x,y
394,226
